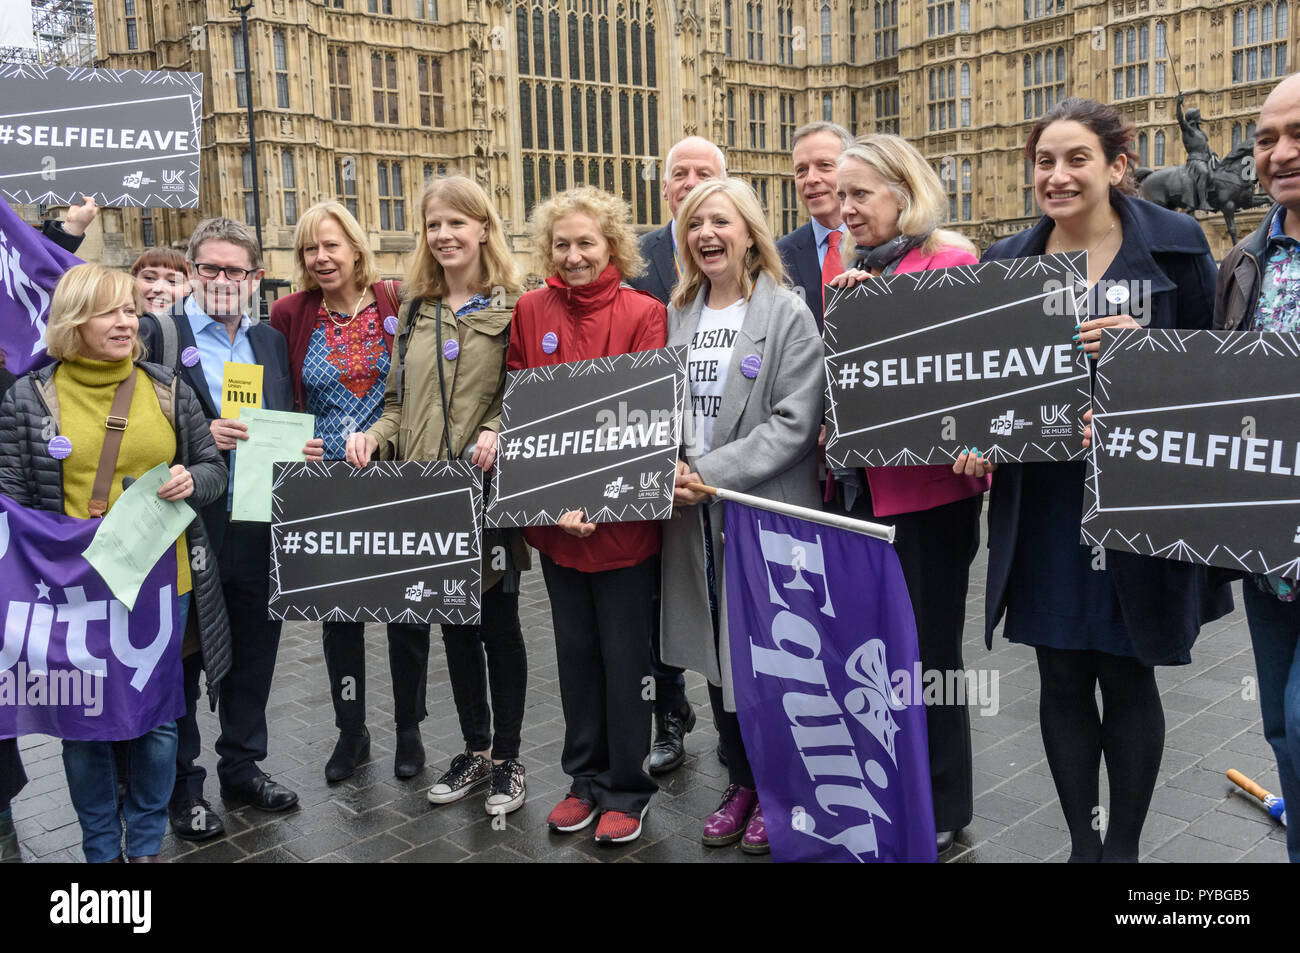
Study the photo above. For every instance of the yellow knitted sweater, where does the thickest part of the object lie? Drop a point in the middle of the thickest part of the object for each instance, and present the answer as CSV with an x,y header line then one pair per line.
x,y
86,389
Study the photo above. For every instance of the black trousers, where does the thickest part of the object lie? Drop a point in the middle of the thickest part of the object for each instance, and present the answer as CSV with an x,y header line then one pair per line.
x,y
499,638
408,662
670,681
602,647
935,547
12,775
243,693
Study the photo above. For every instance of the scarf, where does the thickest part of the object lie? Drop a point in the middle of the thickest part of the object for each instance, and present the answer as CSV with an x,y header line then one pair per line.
x,y
884,258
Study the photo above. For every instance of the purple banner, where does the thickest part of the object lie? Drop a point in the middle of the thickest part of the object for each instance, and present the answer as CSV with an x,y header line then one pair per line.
x,y
74,662
819,620
30,266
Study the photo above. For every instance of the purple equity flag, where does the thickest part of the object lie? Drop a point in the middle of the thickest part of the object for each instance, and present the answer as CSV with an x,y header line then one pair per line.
x,y
819,619
30,266
74,662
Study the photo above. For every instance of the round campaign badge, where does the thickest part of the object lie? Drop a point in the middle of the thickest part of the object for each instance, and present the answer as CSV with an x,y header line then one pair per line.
x,y
550,342
1117,294
450,350
750,366
190,356
60,447
390,324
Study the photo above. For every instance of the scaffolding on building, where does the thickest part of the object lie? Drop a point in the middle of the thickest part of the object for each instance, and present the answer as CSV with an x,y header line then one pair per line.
x,y
64,33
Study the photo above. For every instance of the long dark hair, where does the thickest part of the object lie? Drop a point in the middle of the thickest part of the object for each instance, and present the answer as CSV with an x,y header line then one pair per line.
x,y
1113,130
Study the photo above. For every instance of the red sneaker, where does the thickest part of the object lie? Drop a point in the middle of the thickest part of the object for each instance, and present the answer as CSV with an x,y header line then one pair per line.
x,y
615,827
571,814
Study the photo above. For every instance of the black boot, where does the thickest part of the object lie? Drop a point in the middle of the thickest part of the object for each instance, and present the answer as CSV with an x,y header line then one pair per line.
x,y
669,749
350,750
409,758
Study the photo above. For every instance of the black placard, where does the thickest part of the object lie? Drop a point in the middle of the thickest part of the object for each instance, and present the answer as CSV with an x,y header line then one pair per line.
x,y
126,137
599,436
922,365
392,542
1196,456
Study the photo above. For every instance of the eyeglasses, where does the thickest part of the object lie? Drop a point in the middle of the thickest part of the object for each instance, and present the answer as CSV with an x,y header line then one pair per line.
x,y
207,270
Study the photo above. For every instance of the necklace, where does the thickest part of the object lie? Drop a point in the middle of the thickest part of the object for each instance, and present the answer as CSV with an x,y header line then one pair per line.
x,y
356,309
1095,246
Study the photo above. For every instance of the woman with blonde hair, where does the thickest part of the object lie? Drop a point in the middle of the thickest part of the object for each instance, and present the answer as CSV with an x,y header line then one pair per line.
x,y
600,579
442,400
339,328
756,397
92,337
892,202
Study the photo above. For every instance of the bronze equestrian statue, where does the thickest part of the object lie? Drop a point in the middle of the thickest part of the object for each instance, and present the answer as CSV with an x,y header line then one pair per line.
x,y
1205,182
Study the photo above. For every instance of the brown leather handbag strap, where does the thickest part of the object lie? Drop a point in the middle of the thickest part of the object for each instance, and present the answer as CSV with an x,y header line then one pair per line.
x,y
114,429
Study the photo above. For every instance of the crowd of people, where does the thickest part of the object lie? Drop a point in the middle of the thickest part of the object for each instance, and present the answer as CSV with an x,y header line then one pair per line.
x,y
416,371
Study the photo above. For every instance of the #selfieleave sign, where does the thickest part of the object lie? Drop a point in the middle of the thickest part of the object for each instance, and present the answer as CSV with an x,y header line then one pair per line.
x,y
126,137
391,542
922,365
1196,448
599,436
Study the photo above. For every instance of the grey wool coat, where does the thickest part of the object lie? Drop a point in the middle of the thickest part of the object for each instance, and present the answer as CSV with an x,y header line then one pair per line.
x,y
763,443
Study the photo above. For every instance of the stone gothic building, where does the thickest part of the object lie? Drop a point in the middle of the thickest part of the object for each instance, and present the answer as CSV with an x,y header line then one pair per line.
x,y
365,100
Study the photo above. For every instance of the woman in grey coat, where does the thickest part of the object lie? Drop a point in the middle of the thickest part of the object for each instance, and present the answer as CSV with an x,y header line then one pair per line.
x,y
755,372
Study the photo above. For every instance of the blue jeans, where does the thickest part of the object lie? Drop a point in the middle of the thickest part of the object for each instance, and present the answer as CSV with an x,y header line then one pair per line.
x,y
92,783
1275,636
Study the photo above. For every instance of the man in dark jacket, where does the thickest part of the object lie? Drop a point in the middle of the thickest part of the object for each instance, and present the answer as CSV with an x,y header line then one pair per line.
x,y
225,269
690,162
1257,291
812,252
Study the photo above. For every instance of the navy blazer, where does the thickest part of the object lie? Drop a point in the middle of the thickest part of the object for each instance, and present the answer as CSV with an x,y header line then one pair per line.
x,y
660,277
1164,602
799,252
269,350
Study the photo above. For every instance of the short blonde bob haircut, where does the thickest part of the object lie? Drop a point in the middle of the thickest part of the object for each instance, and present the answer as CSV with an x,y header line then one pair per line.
x,y
425,277
915,185
610,213
761,258
85,292
365,272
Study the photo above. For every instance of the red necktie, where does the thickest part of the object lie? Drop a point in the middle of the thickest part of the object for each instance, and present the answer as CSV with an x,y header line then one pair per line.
x,y
832,264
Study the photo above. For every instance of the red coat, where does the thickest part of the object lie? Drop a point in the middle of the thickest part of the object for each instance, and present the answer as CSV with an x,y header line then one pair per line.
x,y
589,321
295,315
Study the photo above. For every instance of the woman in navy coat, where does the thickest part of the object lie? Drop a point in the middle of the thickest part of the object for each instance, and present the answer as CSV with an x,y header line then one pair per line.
x,y
1097,617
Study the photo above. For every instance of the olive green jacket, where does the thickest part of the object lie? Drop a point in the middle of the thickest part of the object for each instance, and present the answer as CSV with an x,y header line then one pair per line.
x,y
412,428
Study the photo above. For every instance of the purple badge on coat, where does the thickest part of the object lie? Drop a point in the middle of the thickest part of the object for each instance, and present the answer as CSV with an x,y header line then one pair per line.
x,y
390,324
450,350
750,366
550,342
190,356
60,447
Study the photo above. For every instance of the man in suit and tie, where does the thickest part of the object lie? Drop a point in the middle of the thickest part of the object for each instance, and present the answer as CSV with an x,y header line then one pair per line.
x,y
212,328
690,162
816,151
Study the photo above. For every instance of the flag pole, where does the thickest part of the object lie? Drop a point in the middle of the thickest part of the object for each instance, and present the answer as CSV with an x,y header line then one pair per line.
x,y
876,530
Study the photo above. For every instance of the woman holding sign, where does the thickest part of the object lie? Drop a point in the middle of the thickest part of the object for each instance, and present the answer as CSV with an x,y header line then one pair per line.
x,y
755,367
339,329
442,400
79,472
1097,617
600,579
892,202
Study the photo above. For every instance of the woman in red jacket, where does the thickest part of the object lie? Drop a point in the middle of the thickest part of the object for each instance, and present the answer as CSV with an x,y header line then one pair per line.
x,y
340,333
601,579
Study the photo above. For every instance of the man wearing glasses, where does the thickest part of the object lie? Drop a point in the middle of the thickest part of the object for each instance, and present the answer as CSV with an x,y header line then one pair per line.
x,y
225,270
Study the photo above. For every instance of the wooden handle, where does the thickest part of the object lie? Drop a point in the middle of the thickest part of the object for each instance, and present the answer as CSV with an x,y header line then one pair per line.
x,y
702,488
1247,785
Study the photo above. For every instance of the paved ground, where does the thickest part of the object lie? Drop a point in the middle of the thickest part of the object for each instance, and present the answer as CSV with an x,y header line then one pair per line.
x,y
1195,816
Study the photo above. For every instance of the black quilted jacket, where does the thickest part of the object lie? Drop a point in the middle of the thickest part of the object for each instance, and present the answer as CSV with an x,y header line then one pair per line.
x,y
34,479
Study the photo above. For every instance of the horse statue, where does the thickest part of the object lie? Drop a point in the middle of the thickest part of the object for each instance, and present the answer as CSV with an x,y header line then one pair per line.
x,y
1232,186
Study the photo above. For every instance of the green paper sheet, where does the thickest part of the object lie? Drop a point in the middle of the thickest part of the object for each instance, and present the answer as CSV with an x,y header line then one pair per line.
x,y
274,436
135,533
